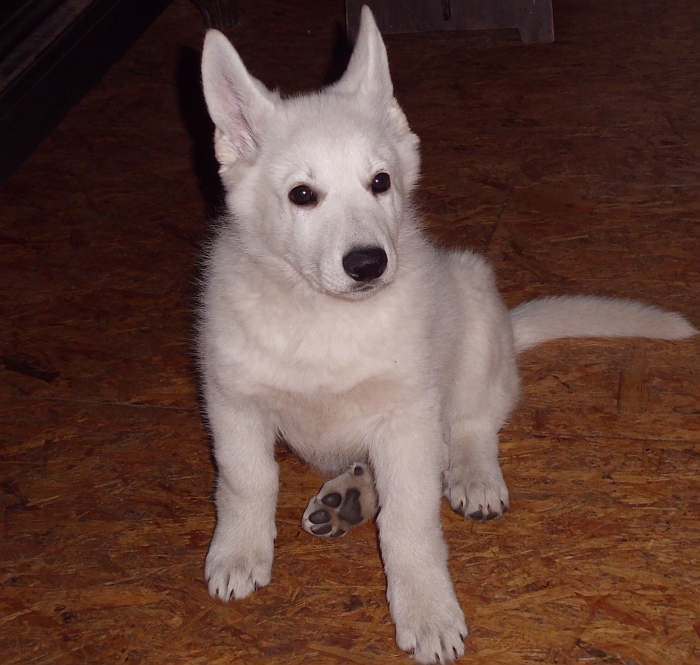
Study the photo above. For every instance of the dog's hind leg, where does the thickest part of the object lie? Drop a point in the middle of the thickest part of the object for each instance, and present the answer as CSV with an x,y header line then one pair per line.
x,y
474,483
342,504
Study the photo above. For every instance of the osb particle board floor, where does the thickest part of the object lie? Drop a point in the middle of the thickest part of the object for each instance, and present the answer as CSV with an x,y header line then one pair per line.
x,y
575,167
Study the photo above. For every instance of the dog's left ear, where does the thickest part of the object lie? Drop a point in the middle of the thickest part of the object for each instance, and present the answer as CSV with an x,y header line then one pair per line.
x,y
367,76
367,73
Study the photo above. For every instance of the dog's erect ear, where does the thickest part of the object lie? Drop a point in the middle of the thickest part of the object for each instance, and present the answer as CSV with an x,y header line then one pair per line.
x,y
367,75
238,103
368,70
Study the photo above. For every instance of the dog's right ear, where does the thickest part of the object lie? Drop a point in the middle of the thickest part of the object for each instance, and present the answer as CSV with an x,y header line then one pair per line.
x,y
238,103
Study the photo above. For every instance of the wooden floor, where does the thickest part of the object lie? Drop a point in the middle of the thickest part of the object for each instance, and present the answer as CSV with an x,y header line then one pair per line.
x,y
575,167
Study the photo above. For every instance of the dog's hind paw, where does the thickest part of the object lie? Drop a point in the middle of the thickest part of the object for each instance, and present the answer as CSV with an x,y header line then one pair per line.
x,y
481,494
342,504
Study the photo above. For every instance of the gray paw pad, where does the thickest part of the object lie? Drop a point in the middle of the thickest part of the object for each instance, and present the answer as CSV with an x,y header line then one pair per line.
x,y
342,504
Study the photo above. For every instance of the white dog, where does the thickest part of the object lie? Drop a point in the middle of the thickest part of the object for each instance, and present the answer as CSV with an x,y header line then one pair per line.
x,y
328,318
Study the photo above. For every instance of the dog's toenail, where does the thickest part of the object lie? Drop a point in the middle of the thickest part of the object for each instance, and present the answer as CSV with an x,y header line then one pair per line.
x,y
491,516
333,500
321,530
319,517
477,515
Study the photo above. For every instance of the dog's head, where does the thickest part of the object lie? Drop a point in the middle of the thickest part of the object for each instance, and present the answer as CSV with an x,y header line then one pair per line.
x,y
318,183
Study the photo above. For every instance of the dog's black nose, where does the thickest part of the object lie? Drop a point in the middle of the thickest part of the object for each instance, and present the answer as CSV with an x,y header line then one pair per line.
x,y
365,263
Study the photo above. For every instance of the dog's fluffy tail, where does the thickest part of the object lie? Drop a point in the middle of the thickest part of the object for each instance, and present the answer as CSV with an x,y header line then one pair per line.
x,y
587,316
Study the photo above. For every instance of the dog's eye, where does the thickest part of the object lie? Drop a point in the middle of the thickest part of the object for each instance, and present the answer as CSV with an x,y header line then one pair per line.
x,y
302,195
380,183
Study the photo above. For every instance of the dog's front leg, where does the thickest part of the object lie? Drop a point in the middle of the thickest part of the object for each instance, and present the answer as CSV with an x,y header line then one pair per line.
x,y
240,555
407,464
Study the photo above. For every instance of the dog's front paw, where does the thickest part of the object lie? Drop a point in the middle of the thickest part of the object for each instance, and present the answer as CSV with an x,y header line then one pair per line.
x,y
237,566
429,627
477,492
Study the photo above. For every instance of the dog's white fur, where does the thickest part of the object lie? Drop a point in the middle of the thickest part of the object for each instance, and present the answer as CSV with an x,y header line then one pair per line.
x,y
416,375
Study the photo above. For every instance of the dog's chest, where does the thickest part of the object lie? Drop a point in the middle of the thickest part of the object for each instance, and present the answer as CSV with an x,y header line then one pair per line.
x,y
280,348
332,429
327,374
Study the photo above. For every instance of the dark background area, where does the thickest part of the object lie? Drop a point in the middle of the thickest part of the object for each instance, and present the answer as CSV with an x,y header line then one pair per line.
x,y
51,53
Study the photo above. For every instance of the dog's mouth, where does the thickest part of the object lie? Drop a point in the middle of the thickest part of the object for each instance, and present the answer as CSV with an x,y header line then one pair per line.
x,y
361,291
343,288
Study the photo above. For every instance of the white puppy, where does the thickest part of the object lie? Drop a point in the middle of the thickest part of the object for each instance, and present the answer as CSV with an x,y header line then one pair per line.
x,y
328,318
